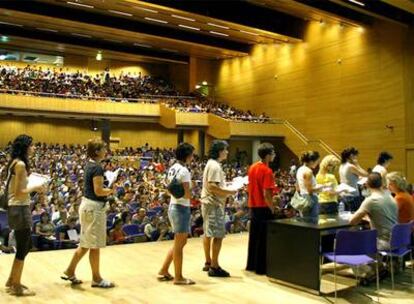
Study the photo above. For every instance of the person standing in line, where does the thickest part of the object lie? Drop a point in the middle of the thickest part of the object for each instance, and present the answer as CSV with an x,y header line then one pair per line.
x,y
307,183
213,198
92,217
349,172
179,213
328,199
260,188
19,215
383,162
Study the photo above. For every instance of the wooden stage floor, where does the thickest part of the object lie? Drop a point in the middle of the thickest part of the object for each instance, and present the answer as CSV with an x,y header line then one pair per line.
x,y
134,267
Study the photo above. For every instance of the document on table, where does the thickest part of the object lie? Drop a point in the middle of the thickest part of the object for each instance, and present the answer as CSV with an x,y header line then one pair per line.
x,y
73,235
36,180
362,180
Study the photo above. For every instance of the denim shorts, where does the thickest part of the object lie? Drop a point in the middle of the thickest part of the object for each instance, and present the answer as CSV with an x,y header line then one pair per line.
x,y
179,216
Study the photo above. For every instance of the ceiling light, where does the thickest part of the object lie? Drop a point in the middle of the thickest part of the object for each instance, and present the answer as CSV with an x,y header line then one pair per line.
x,y
169,50
142,45
81,35
156,20
189,27
9,23
2,57
250,33
197,86
218,33
46,29
357,2
361,29
217,25
4,39
99,56
113,40
181,17
79,4
120,13
148,10
204,83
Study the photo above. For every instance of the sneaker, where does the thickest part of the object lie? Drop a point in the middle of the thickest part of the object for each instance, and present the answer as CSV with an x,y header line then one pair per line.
x,y
218,272
206,267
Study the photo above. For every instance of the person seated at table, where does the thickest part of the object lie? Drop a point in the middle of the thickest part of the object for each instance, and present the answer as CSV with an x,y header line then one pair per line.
x,y
397,184
45,229
64,235
380,210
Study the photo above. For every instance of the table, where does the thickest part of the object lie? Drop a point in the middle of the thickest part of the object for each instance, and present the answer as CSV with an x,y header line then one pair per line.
x,y
294,248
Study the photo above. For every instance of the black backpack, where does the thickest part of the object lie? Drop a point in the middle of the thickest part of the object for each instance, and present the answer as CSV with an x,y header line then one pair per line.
x,y
175,187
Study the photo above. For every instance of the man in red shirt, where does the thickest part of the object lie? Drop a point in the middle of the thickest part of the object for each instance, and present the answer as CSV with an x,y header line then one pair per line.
x,y
261,186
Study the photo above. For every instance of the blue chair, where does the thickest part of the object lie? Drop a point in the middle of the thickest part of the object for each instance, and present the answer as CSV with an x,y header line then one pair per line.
x,y
110,219
132,230
157,209
354,248
400,246
4,223
151,213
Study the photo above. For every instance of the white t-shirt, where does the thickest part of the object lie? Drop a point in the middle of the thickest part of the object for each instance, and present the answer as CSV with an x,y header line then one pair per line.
x,y
213,173
182,174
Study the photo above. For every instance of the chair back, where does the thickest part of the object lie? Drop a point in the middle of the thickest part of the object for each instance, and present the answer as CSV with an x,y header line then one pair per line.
x,y
356,242
131,229
401,235
4,223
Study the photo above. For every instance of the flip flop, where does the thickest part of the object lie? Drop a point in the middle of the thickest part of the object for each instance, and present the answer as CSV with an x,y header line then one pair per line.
x,y
185,282
165,277
103,284
73,280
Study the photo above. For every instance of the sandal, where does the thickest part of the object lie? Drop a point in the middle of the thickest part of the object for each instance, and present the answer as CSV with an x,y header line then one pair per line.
x,y
72,279
165,277
103,284
185,282
21,292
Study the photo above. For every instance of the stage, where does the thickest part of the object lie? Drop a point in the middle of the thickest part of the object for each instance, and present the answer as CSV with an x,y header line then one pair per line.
x,y
134,268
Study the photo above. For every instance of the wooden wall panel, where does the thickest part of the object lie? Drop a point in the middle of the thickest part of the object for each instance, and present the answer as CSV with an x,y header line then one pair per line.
x,y
137,134
48,130
343,86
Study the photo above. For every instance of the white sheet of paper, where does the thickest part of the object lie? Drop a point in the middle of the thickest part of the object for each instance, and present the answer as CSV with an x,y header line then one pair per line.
x,y
111,176
36,180
362,180
345,187
237,183
73,235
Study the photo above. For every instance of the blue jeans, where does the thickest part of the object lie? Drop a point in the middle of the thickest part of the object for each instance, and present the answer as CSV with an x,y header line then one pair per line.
x,y
313,210
179,216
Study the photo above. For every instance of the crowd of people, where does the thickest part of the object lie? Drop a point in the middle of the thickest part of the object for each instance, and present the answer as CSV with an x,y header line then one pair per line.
x,y
125,87
140,198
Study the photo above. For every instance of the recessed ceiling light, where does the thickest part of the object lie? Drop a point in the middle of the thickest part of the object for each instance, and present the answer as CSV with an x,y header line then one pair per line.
x,y
113,40
143,45
357,2
189,27
182,17
46,29
250,33
120,13
156,20
79,4
218,33
217,25
148,10
9,23
81,35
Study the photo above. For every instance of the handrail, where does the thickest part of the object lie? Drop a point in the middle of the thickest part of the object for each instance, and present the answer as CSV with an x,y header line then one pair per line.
x,y
143,98
307,141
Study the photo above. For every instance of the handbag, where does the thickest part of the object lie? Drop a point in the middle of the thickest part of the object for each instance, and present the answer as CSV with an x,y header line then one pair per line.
x,y
4,196
175,187
299,202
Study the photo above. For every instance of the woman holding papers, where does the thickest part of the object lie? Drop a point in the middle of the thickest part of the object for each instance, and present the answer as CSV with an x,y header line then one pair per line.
x,y
328,197
261,186
19,216
92,216
350,172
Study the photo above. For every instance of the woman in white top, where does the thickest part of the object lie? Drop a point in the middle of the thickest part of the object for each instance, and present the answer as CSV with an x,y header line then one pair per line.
x,y
350,172
306,182
19,215
179,213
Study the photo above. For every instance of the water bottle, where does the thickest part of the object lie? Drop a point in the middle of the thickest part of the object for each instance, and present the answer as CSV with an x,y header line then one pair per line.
x,y
341,208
